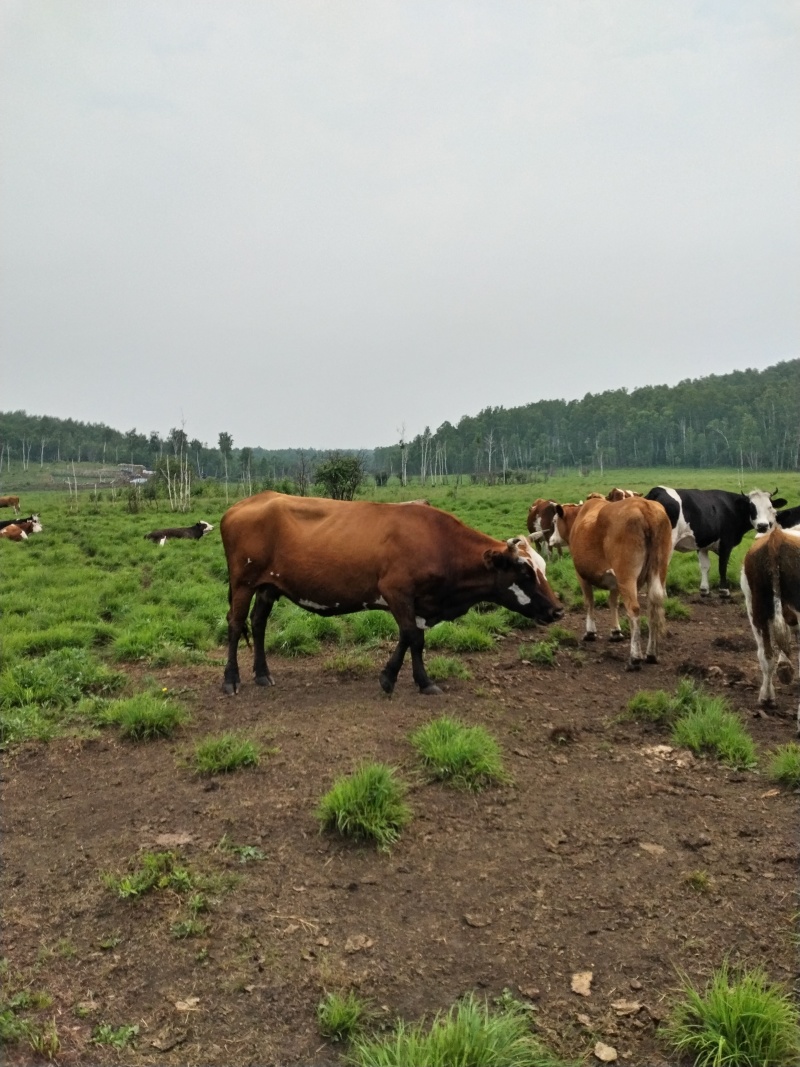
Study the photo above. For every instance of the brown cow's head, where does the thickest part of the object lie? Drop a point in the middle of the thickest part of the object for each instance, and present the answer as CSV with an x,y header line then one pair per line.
x,y
520,582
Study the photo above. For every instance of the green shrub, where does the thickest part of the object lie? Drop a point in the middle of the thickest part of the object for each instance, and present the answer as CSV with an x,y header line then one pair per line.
x,y
221,755
784,766
464,756
367,805
469,1034
340,1017
738,1019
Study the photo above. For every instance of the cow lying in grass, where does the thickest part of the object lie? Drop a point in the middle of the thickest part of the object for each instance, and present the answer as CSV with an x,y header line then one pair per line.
x,y
770,583
194,533
21,529
17,522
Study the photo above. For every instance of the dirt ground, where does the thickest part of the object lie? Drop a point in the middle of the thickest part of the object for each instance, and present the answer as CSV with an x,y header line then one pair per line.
x,y
580,865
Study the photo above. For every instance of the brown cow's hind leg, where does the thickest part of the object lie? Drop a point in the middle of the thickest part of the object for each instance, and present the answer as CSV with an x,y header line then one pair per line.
x,y
237,624
258,623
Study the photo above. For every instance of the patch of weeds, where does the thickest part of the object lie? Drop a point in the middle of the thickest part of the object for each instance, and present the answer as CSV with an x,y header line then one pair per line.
x,y
110,942
561,637
349,664
676,609
655,706
188,928
699,881
469,1033
459,637
224,754
710,726
15,1027
341,1016
739,1018
156,870
440,668
244,853
367,805
145,716
784,765
463,756
542,653
295,638
118,1037
371,628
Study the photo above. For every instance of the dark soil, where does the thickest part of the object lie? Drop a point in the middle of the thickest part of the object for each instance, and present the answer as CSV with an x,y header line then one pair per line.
x,y
581,865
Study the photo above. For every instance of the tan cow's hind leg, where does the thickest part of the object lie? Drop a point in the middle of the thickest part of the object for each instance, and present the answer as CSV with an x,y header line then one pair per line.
x,y
656,619
588,599
613,603
630,599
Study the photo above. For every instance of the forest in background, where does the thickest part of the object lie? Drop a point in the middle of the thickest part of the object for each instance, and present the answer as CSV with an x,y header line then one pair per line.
x,y
748,419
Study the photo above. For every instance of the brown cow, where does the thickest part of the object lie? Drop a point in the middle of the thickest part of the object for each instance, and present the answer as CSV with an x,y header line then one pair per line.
x,y
620,494
770,583
624,547
20,531
334,557
10,502
541,524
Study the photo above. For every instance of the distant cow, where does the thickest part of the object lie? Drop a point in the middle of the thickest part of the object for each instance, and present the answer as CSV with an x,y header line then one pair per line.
x,y
20,530
335,557
771,586
541,523
620,494
713,520
10,502
624,547
193,532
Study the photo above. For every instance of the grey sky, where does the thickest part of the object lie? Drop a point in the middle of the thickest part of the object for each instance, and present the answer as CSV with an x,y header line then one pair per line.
x,y
313,223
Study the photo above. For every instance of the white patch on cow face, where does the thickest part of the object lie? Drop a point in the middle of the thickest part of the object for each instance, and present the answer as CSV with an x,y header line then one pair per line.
x,y
528,553
421,623
206,526
163,541
36,527
762,512
522,598
312,606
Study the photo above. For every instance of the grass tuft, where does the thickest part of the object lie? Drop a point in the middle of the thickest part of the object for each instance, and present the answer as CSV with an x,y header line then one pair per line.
x,y
542,653
440,668
367,805
738,1019
464,756
341,1016
221,755
145,717
784,766
711,727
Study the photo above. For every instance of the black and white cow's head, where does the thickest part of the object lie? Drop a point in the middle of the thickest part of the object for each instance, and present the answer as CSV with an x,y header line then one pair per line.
x,y
762,509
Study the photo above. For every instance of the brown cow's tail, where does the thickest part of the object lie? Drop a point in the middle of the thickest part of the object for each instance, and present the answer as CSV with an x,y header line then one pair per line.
x,y
659,550
779,629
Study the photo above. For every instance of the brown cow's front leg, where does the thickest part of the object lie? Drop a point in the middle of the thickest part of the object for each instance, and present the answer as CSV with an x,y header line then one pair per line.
x,y
417,646
258,622
393,665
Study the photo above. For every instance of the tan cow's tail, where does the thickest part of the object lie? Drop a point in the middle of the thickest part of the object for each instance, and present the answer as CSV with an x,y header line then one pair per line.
x,y
659,550
780,631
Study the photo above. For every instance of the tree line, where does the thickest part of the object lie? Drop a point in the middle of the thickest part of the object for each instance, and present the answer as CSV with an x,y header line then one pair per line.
x,y
745,419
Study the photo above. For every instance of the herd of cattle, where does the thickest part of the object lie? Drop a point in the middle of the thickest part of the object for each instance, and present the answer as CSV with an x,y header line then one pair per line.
x,y
425,566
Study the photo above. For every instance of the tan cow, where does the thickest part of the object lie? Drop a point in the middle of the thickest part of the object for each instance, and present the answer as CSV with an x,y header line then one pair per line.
x,y
10,502
624,547
334,557
770,583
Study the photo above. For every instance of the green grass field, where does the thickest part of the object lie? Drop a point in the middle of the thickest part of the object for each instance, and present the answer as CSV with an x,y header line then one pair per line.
x,y
91,581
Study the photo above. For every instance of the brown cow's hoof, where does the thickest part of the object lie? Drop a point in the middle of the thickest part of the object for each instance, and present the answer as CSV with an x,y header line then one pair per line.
x,y
589,636
633,665
430,690
616,635
264,679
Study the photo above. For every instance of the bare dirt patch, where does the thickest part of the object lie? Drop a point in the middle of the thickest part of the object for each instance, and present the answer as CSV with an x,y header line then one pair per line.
x,y
580,866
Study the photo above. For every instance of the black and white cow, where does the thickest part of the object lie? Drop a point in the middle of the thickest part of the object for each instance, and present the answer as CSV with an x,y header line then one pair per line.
x,y
789,519
193,532
713,520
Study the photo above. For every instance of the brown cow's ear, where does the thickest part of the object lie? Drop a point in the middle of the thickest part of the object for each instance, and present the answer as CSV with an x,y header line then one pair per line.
x,y
500,561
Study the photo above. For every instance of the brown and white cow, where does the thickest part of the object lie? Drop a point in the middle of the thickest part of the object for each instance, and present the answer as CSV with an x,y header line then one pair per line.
x,y
335,557
21,530
620,494
541,523
10,502
770,582
624,547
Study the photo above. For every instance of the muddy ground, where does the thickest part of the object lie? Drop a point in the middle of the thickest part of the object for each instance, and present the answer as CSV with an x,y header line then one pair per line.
x,y
581,865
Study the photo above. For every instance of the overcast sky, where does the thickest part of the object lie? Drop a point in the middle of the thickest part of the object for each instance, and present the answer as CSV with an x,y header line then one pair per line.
x,y
311,224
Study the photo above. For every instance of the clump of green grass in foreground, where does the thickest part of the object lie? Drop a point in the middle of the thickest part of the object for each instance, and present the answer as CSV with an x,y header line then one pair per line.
x,y
118,1037
440,668
464,756
367,805
542,653
658,707
145,716
676,609
221,755
349,664
784,767
341,1016
469,1033
156,870
738,1019
710,726
459,637
561,637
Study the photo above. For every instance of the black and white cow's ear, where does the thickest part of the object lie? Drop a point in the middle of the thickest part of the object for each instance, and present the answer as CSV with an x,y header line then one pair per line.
x,y
779,502
559,511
